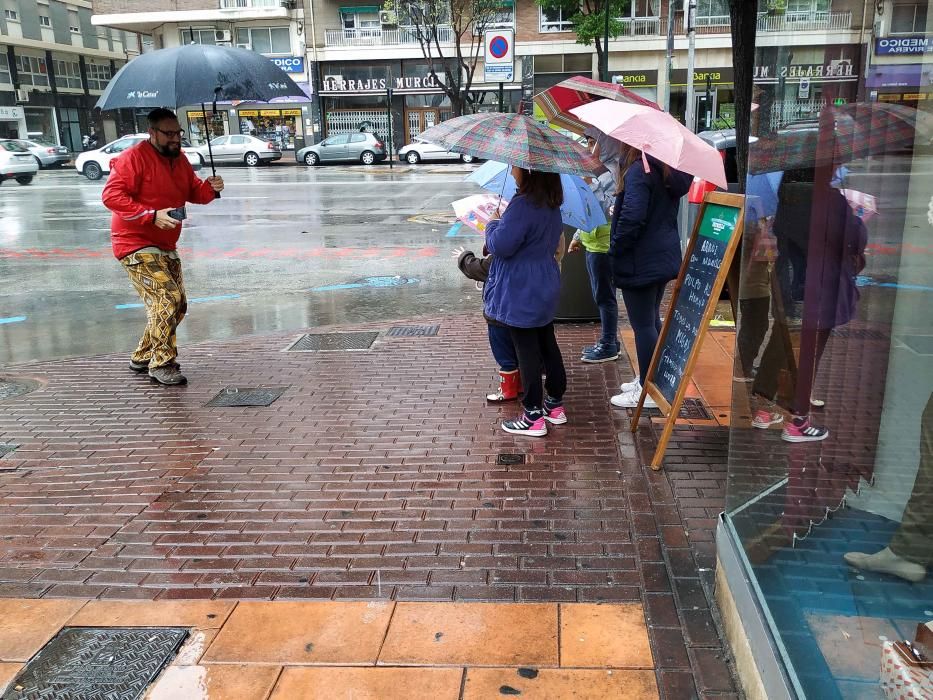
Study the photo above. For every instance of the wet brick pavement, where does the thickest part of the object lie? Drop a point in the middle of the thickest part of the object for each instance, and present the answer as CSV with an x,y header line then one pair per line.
x,y
373,476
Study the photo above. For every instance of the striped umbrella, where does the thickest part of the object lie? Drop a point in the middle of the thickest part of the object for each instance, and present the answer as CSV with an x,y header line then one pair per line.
x,y
514,139
844,134
556,102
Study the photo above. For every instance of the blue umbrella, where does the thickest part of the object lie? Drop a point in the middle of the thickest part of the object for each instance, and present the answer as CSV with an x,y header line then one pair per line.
x,y
580,208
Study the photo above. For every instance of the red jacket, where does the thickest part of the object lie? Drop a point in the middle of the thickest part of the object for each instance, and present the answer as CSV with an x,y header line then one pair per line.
x,y
141,182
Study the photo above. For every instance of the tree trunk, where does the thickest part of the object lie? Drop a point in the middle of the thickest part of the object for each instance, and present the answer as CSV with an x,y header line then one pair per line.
x,y
744,28
599,58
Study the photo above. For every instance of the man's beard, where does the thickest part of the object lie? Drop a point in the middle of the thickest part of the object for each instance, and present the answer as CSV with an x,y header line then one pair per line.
x,y
170,151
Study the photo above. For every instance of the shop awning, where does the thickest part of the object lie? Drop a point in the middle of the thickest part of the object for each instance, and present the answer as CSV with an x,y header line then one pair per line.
x,y
362,9
911,75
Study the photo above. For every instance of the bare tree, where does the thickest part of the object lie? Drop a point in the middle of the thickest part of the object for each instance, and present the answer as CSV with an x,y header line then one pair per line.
x,y
438,23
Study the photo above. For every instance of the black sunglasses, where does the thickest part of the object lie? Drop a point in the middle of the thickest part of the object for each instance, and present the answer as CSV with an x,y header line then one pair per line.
x,y
170,134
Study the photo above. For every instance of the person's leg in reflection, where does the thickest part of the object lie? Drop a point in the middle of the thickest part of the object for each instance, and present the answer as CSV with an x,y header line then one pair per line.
x,y
910,551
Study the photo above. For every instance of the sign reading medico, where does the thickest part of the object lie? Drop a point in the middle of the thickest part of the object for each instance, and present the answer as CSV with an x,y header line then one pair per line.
x,y
499,57
289,64
904,45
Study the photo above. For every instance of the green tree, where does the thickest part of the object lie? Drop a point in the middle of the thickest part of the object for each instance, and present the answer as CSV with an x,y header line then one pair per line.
x,y
588,19
450,33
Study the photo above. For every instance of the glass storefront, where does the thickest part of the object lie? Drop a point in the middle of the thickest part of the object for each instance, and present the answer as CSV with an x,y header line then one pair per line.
x,y
217,124
830,491
273,124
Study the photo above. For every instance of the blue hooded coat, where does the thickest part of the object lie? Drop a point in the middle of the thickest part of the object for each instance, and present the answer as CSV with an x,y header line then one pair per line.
x,y
523,286
645,242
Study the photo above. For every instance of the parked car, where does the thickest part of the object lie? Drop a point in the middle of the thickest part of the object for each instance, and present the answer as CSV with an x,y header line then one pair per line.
x,y
239,148
362,147
95,164
16,162
47,154
419,150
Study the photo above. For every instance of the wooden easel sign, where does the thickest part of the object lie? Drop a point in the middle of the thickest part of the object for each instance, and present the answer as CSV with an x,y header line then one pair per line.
x,y
713,242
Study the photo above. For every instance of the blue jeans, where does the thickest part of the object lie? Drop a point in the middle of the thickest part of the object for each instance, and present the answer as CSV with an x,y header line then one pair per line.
x,y
500,342
599,267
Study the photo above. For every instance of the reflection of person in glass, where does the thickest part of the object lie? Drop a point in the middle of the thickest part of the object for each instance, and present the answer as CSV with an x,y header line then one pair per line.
x,y
911,549
821,244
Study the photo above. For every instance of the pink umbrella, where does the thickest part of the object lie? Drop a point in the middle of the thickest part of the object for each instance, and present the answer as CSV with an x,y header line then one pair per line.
x,y
863,205
656,134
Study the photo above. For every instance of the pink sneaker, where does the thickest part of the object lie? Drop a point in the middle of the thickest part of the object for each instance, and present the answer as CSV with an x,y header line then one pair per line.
x,y
765,419
557,415
801,430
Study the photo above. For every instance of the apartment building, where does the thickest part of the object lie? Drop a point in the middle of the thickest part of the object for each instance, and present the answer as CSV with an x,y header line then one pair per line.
x,y
54,64
896,71
274,28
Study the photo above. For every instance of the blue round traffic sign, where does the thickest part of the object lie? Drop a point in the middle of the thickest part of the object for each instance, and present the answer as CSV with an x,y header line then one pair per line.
x,y
499,46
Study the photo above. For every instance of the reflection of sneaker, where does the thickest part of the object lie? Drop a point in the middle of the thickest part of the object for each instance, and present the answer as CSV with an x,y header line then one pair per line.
x,y
887,562
629,399
601,353
801,430
556,415
765,419
533,426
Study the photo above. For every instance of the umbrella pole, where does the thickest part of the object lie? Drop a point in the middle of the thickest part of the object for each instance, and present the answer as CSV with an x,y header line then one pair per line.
x,y
207,134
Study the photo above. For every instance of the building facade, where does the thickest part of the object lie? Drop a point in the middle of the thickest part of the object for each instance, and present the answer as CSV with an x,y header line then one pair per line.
x,y
54,64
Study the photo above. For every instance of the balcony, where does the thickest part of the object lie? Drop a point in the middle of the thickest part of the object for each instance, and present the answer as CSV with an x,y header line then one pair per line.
x,y
640,26
249,4
805,22
705,24
403,36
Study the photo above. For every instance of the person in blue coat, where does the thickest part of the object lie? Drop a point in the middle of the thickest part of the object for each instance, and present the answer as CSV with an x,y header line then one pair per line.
x,y
522,291
644,248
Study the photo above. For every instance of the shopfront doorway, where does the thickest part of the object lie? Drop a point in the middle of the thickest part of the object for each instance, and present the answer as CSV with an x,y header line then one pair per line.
x,y
420,119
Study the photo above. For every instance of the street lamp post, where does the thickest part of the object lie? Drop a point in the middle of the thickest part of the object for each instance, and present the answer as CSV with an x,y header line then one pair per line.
x,y
604,68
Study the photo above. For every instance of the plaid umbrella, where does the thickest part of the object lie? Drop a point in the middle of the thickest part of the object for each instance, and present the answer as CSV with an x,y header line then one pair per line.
x,y
514,139
556,102
844,134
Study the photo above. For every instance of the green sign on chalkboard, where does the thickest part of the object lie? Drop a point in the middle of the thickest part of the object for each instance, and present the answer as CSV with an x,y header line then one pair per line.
x,y
719,222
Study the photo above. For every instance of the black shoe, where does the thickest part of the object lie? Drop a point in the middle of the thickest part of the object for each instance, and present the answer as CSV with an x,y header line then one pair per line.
x,y
167,375
139,367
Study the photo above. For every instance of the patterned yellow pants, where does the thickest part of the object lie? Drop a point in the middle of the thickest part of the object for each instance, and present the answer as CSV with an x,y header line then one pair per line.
x,y
157,279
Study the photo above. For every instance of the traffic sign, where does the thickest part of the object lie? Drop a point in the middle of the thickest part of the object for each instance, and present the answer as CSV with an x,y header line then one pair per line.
x,y
499,56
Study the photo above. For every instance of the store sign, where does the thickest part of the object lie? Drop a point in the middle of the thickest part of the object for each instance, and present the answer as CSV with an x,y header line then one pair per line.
x,y
11,113
715,76
637,79
249,112
380,85
290,64
291,112
834,70
904,46
270,112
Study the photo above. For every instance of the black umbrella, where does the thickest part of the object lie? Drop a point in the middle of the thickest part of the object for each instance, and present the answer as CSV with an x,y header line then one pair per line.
x,y
194,74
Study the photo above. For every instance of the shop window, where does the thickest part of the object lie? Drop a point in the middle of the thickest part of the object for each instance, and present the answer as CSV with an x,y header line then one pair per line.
x,y
203,35
98,75
45,21
67,74
554,19
32,71
266,39
909,18
11,15
4,67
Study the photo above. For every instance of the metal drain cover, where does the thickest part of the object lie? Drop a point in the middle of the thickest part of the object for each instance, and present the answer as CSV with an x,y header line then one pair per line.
x,y
413,331
7,449
691,409
246,396
10,388
509,459
314,342
93,663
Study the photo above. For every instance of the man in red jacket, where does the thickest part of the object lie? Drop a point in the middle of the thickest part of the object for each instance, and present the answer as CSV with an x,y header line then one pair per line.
x,y
147,190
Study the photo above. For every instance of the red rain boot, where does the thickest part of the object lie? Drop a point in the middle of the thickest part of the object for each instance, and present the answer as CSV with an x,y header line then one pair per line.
x,y
510,386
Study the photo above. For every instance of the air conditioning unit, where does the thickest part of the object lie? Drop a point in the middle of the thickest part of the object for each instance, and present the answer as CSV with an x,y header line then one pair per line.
x,y
248,47
222,35
387,17
22,95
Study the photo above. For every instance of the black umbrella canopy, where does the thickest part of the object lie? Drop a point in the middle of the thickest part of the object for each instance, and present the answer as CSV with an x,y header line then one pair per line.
x,y
188,75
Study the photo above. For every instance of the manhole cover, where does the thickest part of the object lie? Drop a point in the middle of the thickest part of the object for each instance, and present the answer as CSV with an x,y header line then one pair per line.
x,y
509,459
246,396
10,388
434,219
91,663
7,449
413,331
691,409
314,342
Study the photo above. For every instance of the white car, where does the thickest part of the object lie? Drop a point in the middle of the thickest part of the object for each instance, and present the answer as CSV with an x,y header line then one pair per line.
x,y
419,150
16,162
239,148
95,164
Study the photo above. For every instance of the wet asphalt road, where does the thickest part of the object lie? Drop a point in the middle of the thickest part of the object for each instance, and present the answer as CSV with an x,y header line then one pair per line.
x,y
285,248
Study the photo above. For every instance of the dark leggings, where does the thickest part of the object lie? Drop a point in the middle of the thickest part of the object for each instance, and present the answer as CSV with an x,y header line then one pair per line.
x,y
643,306
536,347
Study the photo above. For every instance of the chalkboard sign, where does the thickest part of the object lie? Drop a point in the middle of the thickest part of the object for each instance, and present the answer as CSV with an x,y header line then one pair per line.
x,y
712,245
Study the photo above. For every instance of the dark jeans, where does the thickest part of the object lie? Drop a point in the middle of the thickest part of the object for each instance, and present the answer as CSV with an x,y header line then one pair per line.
x,y
500,342
536,347
643,306
753,327
599,266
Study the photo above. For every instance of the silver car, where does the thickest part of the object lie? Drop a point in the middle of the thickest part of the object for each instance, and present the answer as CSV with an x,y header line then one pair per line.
x,y
47,155
239,148
419,150
16,163
361,147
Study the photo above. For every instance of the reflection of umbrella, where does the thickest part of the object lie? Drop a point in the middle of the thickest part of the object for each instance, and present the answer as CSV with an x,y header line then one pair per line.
x,y
657,134
196,73
478,210
863,205
762,194
556,102
580,207
514,139
848,132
